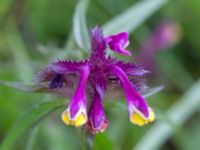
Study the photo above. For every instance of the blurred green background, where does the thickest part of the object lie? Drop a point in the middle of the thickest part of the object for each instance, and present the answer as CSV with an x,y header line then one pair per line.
x,y
36,32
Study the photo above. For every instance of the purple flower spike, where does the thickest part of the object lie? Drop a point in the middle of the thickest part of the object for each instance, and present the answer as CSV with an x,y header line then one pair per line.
x,y
97,120
97,74
76,112
118,43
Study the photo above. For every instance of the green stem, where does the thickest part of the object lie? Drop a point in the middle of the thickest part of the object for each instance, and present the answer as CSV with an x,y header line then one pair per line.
x,y
86,140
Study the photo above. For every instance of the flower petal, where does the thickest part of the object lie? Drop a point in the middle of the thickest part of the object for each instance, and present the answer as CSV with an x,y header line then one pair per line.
x,y
137,119
135,102
76,112
97,120
118,43
60,67
60,77
65,67
98,44
132,69
79,120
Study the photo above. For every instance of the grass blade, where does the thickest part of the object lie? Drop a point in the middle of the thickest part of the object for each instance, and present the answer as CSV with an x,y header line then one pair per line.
x,y
27,121
133,17
80,27
176,115
19,52
22,86
153,91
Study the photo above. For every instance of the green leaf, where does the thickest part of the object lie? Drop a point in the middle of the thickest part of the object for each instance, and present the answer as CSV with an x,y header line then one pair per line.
x,y
32,138
175,117
80,27
27,121
19,51
188,138
102,142
133,17
22,86
84,140
152,91
176,72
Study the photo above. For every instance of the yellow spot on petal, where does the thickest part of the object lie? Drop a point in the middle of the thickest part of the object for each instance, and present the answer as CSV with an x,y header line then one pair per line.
x,y
151,115
79,121
65,117
137,119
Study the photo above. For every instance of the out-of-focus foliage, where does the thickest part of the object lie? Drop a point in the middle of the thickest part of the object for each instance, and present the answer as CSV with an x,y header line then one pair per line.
x,y
35,32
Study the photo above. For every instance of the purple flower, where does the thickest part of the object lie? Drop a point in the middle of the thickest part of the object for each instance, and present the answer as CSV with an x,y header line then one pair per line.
x,y
118,43
96,75
97,120
76,112
166,34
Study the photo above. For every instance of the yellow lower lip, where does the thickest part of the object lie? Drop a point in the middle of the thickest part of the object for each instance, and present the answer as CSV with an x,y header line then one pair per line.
x,y
80,120
137,119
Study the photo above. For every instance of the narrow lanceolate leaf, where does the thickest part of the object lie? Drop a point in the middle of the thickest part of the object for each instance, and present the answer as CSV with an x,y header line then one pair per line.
x,y
22,86
19,52
152,91
133,17
80,27
27,121
32,138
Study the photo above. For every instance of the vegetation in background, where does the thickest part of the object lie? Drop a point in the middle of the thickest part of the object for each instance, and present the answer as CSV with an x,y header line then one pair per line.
x,y
34,33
